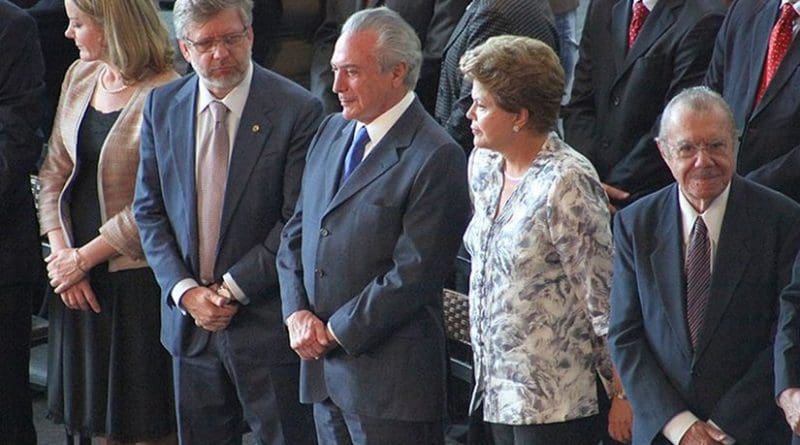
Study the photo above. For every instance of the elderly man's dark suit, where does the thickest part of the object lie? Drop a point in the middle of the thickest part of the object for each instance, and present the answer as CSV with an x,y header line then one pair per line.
x,y
266,164
484,19
370,259
433,21
769,152
728,377
21,88
619,93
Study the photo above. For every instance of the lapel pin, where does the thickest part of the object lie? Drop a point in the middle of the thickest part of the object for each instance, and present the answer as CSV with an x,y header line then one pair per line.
x,y
255,128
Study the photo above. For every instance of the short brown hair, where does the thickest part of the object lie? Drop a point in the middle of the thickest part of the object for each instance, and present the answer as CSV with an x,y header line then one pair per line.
x,y
519,72
137,43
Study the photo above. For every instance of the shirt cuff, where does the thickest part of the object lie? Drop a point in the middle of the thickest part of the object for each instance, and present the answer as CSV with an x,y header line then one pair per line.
x,y
727,440
333,334
237,291
678,425
179,289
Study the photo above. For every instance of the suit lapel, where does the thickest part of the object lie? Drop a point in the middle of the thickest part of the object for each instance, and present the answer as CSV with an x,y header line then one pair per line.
x,y
620,22
334,160
462,24
730,262
182,142
660,19
667,265
251,141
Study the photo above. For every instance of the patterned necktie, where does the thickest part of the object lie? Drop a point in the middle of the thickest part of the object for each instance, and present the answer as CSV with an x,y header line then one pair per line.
x,y
212,173
698,278
356,153
779,41
640,12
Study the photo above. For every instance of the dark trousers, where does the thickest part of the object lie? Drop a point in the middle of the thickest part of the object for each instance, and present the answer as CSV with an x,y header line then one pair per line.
x,y
582,431
219,395
337,427
16,413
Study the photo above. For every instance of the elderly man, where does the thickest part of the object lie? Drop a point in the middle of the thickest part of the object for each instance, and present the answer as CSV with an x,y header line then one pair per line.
x,y
698,268
21,88
221,161
363,259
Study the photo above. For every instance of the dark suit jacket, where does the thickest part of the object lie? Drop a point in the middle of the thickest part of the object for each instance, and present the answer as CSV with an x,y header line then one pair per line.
x,y
266,165
618,93
484,19
371,259
21,89
728,378
770,149
433,20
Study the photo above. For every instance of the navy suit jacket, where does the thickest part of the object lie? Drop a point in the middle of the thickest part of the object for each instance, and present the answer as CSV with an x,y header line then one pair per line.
x,y
370,258
770,136
619,93
278,121
729,377
21,91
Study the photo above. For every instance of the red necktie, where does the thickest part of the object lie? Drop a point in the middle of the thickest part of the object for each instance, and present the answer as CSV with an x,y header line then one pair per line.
x,y
640,12
698,278
779,41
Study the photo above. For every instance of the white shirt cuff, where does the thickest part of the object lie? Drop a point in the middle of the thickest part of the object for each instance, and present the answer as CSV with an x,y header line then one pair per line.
x,y
179,289
237,291
678,425
728,440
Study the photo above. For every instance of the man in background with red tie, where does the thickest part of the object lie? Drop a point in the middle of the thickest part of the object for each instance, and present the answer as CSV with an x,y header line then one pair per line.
x,y
222,155
698,270
634,57
755,67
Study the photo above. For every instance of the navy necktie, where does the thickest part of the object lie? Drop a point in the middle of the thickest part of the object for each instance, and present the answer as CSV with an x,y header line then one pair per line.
x,y
356,153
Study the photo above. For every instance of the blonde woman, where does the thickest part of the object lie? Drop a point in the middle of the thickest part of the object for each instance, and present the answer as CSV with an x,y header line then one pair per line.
x,y
108,375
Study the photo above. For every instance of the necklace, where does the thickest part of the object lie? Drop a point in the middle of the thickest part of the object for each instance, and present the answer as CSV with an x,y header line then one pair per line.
x,y
513,178
108,90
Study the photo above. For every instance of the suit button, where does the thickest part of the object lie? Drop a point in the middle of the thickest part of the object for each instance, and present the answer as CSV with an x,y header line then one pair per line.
x,y
615,101
320,273
324,232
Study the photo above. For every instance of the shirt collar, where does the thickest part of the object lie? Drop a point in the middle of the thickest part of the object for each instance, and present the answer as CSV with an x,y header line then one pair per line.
x,y
649,4
712,216
235,100
381,125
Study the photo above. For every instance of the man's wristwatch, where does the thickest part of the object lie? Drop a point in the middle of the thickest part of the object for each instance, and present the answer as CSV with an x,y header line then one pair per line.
x,y
224,291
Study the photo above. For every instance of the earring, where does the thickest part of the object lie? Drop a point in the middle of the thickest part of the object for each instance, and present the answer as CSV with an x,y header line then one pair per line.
x,y
516,128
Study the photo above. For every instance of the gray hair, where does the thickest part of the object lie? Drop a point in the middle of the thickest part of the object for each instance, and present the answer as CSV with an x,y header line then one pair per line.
x,y
196,12
397,41
699,99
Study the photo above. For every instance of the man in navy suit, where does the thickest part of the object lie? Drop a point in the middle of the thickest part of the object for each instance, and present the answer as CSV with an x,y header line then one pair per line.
x,y
624,79
363,259
698,269
770,137
21,89
221,317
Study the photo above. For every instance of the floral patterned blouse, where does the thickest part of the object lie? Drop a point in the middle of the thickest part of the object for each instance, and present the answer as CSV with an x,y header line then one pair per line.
x,y
539,290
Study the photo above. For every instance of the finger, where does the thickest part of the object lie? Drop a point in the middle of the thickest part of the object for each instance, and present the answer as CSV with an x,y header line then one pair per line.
x,y
91,299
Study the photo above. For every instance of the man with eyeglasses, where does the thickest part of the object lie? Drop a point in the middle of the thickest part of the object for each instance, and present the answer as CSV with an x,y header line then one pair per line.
x,y
698,268
221,160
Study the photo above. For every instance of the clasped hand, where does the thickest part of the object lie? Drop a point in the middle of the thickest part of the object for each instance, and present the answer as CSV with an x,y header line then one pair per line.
x,y
210,310
64,269
308,335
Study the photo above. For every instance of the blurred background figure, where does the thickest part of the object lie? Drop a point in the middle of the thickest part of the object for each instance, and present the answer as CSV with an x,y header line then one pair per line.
x,y
433,21
541,254
484,19
108,375
21,88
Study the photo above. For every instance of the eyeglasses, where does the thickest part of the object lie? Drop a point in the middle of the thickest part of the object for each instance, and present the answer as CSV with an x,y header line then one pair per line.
x,y
688,150
208,45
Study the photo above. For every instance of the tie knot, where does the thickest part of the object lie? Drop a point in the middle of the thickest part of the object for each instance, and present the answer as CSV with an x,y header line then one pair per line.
x,y
639,8
788,13
699,229
362,137
218,110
